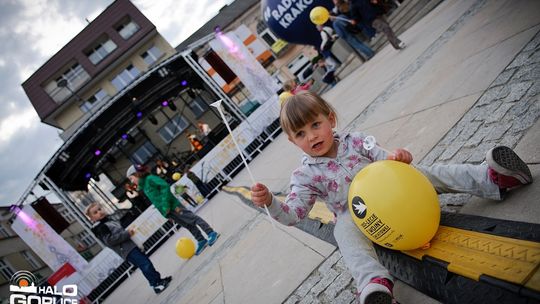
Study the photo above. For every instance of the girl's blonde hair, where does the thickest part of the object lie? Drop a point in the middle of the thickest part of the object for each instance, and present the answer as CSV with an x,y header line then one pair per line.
x,y
301,109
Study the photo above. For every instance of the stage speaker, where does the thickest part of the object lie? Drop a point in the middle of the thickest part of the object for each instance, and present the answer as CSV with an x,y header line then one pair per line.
x,y
50,214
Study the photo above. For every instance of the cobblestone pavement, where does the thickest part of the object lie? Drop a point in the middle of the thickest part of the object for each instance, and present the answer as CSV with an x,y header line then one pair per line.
x,y
501,116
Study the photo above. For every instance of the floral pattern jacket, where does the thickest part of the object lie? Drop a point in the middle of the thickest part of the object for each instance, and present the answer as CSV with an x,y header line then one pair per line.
x,y
327,179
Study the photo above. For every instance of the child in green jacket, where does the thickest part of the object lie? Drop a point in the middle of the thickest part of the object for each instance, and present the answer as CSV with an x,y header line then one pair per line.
x,y
158,192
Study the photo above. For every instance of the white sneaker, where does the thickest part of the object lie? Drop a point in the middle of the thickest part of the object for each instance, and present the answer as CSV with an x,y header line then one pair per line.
x,y
402,45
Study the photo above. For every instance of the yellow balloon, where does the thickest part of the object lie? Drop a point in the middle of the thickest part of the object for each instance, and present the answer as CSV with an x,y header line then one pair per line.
x,y
283,96
319,15
185,248
394,205
176,176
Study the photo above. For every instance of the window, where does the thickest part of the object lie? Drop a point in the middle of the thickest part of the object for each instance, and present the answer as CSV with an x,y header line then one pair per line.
x,y
4,233
125,77
34,263
67,215
298,66
198,106
95,99
152,55
74,76
173,128
6,269
268,37
85,239
143,153
102,50
127,28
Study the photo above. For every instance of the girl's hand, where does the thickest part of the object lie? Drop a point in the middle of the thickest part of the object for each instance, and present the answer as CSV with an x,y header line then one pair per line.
x,y
131,231
401,155
260,195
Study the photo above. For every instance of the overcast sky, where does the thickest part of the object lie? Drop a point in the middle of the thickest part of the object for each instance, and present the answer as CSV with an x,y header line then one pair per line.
x,y
31,32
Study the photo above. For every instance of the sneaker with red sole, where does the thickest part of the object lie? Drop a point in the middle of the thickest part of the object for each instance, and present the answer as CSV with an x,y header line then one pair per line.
x,y
506,169
377,291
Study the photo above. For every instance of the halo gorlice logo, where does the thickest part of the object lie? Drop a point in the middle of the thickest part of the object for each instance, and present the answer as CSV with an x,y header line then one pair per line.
x,y
24,290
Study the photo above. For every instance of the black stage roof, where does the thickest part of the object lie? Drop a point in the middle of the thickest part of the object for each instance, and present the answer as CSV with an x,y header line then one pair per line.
x,y
68,169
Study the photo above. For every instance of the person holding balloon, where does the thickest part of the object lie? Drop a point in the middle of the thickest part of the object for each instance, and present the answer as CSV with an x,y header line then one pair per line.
x,y
332,160
158,192
341,22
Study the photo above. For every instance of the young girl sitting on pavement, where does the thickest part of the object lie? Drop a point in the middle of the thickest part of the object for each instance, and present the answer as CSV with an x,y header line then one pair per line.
x,y
111,233
330,162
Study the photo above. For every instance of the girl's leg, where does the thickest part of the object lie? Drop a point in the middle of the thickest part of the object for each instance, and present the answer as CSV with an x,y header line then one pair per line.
x,y
358,253
462,178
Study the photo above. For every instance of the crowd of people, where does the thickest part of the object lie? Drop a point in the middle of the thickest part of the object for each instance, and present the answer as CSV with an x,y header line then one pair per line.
x,y
348,20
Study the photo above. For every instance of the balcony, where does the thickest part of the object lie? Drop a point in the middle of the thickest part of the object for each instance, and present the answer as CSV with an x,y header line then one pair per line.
x,y
67,84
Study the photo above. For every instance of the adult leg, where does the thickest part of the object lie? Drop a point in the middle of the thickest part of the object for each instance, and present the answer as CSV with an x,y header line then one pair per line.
x,y
382,25
189,199
355,43
358,253
368,30
139,259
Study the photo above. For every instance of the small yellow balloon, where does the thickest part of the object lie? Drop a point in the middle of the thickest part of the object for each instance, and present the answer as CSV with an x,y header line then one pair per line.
x,y
185,248
176,176
319,15
283,96
394,205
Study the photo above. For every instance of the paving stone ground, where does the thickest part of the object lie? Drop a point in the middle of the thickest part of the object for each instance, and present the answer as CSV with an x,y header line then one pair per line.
x,y
501,116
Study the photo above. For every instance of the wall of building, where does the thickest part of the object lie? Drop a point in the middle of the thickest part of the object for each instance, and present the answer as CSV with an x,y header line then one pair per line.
x,y
251,18
74,50
73,112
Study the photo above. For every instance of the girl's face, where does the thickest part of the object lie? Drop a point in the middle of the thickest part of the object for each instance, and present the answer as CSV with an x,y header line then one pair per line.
x,y
316,138
96,213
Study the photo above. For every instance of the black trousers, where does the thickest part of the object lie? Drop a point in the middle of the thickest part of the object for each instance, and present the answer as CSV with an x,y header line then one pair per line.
x,y
191,221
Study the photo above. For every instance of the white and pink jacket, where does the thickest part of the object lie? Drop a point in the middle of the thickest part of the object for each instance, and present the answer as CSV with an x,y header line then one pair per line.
x,y
325,178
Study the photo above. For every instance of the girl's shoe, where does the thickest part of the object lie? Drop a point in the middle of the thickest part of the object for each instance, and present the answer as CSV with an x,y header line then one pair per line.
x,y
506,169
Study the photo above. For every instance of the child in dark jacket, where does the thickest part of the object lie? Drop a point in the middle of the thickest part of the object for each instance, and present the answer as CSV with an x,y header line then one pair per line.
x,y
111,233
